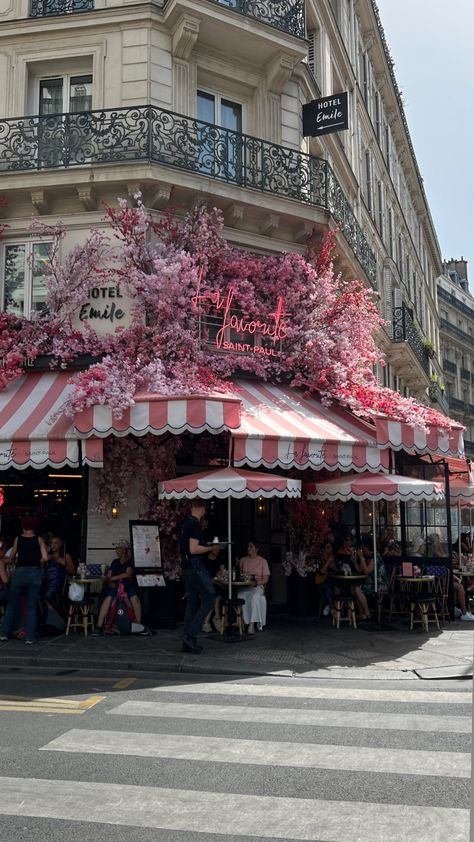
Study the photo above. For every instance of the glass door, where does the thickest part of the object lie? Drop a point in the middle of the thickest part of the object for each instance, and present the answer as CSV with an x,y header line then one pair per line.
x,y
61,138
220,143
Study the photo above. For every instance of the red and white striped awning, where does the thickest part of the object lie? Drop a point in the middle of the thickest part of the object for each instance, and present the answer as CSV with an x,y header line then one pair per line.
x,y
399,435
281,428
461,491
375,487
35,432
229,482
158,414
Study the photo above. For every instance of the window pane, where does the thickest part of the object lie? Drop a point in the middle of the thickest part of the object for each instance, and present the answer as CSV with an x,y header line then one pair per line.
x,y
80,94
14,279
206,107
231,115
51,97
39,259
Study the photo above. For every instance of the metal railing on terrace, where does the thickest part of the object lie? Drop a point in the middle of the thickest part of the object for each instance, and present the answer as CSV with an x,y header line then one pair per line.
x,y
459,305
405,330
287,15
437,395
155,135
456,331
457,405
47,8
465,374
449,366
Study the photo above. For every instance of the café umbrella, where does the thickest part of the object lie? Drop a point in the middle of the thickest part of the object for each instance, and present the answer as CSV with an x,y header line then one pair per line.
x,y
375,487
225,484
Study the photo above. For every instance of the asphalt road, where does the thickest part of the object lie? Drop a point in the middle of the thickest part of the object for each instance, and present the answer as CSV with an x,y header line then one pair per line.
x,y
182,758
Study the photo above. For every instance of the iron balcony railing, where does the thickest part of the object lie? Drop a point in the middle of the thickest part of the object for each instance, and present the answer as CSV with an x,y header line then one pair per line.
x,y
146,133
437,395
456,331
47,8
456,404
459,305
449,366
287,15
465,374
405,330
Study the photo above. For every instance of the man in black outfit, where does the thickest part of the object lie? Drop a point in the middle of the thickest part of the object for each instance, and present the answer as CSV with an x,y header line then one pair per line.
x,y
198,583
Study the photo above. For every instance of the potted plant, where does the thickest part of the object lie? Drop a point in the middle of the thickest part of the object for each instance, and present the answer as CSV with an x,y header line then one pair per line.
x,y
428,347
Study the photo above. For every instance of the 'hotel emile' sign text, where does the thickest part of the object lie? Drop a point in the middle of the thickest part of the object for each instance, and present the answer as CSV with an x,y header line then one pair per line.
x,y
327,115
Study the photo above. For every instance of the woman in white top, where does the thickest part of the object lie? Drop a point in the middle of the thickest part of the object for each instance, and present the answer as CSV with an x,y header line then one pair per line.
x,y
254,609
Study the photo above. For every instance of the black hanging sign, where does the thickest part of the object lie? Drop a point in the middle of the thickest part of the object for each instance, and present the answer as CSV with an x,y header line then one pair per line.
x,y
326,115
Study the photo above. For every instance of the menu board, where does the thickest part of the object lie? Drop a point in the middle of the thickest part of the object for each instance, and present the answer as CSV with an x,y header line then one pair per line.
x,y
145,543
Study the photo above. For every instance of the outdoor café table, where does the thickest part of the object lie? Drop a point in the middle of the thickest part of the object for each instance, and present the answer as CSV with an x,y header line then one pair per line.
x,y
79,615
235,585
351,579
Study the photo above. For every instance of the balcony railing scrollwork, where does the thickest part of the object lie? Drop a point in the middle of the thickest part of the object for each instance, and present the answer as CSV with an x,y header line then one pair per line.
x,y
146,133
405,330
287,15
47,8
449,366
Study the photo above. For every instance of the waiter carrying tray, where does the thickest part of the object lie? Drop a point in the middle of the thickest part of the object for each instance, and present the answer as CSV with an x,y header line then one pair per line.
x,y
198,583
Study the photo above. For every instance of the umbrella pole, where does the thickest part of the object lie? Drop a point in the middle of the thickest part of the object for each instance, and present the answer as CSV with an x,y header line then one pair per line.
x,y
459,531
374,535
229,545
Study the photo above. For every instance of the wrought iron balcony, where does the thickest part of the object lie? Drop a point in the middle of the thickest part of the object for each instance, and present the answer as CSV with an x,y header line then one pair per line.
x,y
48,8
287,15
456,404
146,133
437,395
465,374
455,302
456,331
450,367
405,330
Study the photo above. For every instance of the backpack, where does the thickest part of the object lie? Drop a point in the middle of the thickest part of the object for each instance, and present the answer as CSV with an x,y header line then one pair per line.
x,y
121,615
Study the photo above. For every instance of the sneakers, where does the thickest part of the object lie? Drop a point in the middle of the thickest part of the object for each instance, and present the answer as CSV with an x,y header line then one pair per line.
x,y
97,631
29,642
251,629
259,627
206,627
457,612
326,610
468,618
216,622
3,638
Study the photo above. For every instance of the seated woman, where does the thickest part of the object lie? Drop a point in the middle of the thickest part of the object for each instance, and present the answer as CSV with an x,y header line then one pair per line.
x,y
326,565
59,565
344,552
217,570
461,605
364,564
254,609
121,570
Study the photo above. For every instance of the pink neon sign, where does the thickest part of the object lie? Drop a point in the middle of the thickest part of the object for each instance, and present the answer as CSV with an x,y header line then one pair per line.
x,y
273,327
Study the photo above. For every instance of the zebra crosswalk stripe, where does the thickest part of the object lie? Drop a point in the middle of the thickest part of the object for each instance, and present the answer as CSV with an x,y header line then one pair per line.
x,y
295,691
264,817
298,716
265,753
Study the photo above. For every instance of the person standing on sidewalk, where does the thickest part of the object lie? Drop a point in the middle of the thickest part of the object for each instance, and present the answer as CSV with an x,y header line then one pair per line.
x,y
30,552
197,581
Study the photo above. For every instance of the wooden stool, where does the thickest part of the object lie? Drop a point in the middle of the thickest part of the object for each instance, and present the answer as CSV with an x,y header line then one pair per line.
x,y
339,615
80,617
230,606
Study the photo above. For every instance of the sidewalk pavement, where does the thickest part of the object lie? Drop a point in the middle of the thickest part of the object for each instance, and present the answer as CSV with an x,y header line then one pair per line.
x,y
287,647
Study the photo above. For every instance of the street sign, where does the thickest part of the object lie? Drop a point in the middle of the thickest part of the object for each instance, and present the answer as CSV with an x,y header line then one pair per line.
x,y
326,115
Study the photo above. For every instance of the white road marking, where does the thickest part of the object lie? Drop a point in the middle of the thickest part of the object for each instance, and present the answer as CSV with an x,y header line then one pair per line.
x,y
196,811
265,753
299,716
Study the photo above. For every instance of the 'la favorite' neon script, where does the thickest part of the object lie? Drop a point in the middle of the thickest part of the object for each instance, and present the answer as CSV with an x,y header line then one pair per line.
x,y
273,328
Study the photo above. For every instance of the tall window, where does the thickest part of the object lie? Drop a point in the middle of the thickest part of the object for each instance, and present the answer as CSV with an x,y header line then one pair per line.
x,y
220,153
368,180
380,210
62,140
23,288
65,94
378,127
388,150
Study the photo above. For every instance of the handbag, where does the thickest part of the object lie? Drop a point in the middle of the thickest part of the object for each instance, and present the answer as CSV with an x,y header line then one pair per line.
x,y
76,592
